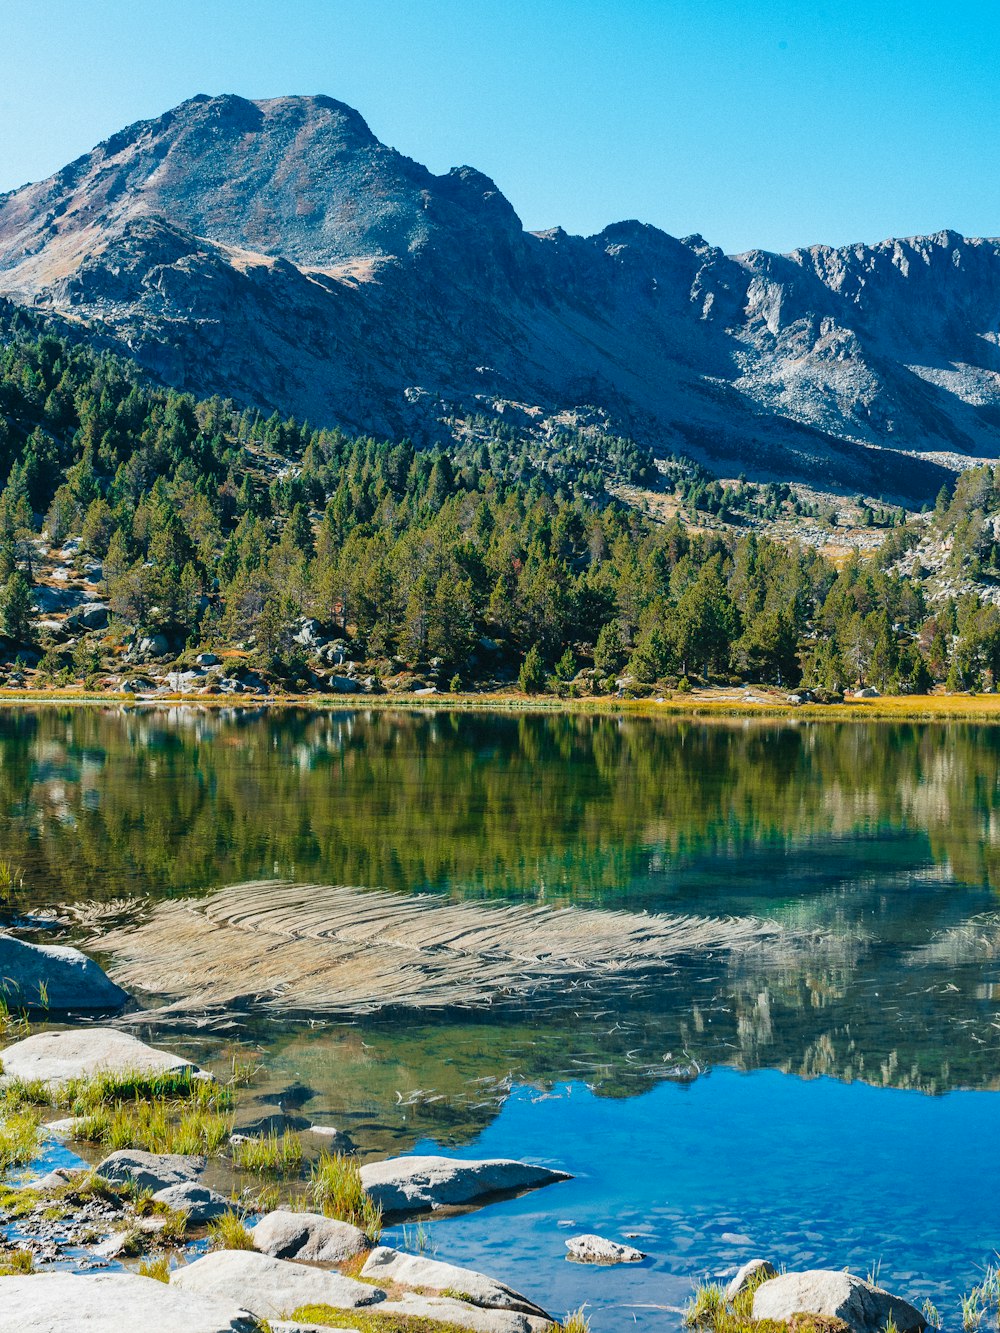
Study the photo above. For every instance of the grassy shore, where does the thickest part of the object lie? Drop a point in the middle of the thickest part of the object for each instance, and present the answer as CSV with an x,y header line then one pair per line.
x,y
721,703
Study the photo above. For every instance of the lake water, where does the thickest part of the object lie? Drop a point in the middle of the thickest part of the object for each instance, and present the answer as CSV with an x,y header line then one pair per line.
x,y
833,1106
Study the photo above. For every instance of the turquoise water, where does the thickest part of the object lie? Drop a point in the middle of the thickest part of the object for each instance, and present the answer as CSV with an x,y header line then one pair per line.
x,y
832,1104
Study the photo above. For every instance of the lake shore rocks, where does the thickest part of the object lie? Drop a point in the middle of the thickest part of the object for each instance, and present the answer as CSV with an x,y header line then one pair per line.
x,y
55,1057
311,1237
199,1202
413,1270
414,1184
109,1302
271,1287
838,1295
752,1271
598,1250
148,1170
54,977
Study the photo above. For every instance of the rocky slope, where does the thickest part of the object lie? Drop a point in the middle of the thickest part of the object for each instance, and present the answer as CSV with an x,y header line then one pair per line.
x,y
278,253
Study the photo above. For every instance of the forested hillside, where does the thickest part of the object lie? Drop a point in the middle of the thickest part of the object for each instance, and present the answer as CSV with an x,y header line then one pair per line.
x,y
297,552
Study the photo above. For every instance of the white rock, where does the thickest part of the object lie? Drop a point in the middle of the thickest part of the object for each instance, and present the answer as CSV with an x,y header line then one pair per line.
x,y
840,1295
54,976
111,1302
78,1052
406,1184
199,1202
271,1287
150,1170
589,1249
751,1270
413,1270
448,1310
311,1237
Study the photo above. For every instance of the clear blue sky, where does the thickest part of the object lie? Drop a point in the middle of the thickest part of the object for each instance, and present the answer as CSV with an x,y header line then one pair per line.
x,y
756,123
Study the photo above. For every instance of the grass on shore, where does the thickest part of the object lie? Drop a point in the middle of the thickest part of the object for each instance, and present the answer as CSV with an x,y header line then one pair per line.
x,y
16,1263
335,1188
710,1312
230,1232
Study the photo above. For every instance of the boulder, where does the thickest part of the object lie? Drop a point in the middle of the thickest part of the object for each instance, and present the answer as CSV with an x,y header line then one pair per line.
x,y
838,1295
413,1270
78,1052
596,1250
409,1184
152,645
109,1302
207,660
93,615
271,1287
150,1170
344,684
284,1234
753,1270
54,976
200,1203
448,1310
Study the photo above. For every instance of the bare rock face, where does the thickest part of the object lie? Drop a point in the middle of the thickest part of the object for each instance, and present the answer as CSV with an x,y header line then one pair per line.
x,y
412,1184
54,977
838,1295
276,252
413,1270
108,1302
270,1287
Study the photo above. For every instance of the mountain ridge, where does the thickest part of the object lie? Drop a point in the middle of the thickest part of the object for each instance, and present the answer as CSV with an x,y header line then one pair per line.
x,y
277,252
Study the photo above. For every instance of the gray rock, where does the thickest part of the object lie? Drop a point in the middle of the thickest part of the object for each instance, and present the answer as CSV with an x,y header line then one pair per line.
x,y
589,1249
207,660
312,1237
150,1170
152,645
448,1310
413,1270
408,1184
271,1287
200,1203
94,615
54,976
78,1052
752,1270
865,1308
109,1302
344,684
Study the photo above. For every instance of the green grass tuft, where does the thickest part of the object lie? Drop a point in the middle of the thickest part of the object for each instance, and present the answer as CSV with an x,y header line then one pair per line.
x,y
16,1263
20,1137
230,1232
268,1154
157,1269
335,1188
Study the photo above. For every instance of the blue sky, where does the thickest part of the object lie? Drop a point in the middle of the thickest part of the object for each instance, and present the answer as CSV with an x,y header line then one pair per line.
x,y
757,123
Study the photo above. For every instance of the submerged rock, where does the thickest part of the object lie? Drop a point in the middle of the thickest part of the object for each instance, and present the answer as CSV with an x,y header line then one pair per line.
x,y
80,1052
199,1202
284,1234
54,976
270,1287
109,1302
413,1270
598,1250
407,1184
752,1270
150,1170
839,1295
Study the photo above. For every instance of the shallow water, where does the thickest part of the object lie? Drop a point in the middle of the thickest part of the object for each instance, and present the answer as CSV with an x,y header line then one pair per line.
x,y
865,1123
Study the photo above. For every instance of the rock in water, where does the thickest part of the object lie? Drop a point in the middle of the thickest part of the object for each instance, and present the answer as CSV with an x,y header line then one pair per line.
x,y
199,1202
311,1237
864,1308
597,1250
150,1170
81,1052
413,1270
54,976
409,1184
269,1287
753,1269
111,1302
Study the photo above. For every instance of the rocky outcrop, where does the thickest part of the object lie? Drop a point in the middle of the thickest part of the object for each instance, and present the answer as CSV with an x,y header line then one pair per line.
x,y
54,977
271,1287
413,1270
276,252
838,1295
55,1057
412,1184
597,1250
149,1170
109,1302
309,1237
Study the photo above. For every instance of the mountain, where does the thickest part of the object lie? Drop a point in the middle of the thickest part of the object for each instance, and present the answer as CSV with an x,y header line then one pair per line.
x,y
277,253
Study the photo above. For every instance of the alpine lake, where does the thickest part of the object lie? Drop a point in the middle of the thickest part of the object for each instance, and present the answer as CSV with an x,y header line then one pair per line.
x,y
832,1104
